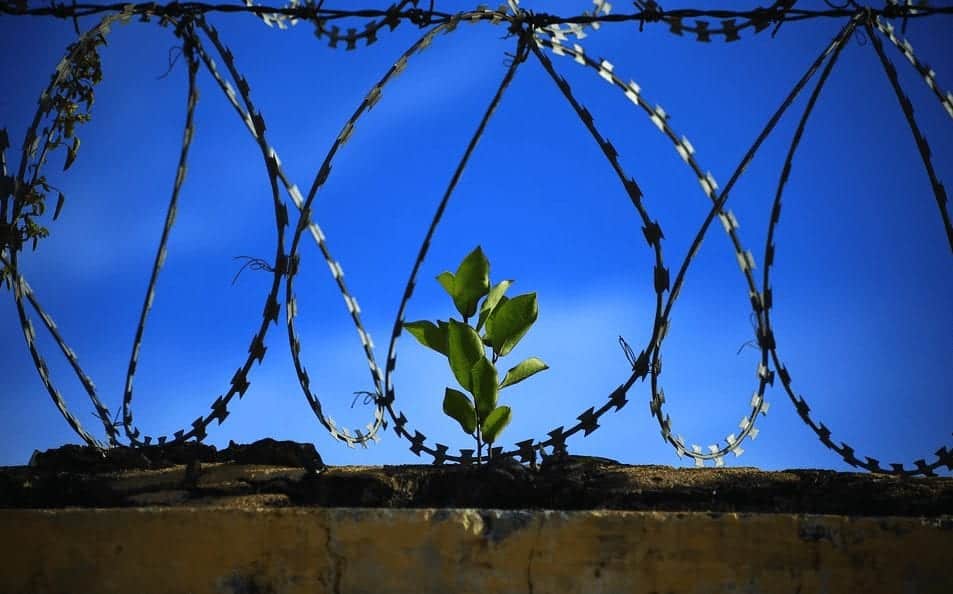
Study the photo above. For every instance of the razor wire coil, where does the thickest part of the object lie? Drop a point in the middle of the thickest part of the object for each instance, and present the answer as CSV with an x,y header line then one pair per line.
x,y
533,32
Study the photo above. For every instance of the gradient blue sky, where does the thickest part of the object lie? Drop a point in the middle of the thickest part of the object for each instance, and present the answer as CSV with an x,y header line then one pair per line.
x,y
862,284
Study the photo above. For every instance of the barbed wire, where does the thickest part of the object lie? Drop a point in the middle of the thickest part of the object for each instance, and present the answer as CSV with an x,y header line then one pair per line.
x,y
532,33
769,347
646,13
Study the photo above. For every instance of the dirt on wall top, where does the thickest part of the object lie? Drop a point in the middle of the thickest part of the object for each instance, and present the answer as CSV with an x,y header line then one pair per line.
x,y
272,473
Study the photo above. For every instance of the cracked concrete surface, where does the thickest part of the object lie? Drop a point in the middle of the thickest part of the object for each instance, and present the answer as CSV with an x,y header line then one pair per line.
x,y
422,551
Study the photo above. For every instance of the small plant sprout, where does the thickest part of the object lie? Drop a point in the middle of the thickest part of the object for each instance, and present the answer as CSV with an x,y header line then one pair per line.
x,y
503,322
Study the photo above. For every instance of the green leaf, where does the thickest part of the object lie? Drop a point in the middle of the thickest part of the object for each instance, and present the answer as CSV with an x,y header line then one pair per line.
x,y
457,406
485,390
71,154
510,321
464,350
486,332
60,199
492,300
471,282
446,281
495,422
430,335
523,370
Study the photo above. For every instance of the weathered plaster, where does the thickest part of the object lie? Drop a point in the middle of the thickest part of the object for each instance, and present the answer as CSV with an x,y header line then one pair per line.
x,y
378,551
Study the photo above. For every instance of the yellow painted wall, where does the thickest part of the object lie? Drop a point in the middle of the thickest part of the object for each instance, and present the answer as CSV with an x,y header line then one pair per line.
x,y
378,551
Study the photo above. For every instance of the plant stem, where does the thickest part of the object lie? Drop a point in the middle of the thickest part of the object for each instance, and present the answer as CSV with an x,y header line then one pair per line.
x,y
479,443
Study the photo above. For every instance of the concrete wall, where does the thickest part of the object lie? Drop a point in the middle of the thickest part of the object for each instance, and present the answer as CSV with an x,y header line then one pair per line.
x,y
379,551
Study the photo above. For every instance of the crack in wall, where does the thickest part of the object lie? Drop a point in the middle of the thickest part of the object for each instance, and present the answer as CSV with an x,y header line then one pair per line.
x,y
338,561
532,553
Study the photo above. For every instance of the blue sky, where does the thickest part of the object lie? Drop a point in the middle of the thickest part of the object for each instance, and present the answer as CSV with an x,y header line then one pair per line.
x,y
862,283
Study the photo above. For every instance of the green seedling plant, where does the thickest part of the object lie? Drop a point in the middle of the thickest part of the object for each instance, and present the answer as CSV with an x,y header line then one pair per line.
x,y
500,323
